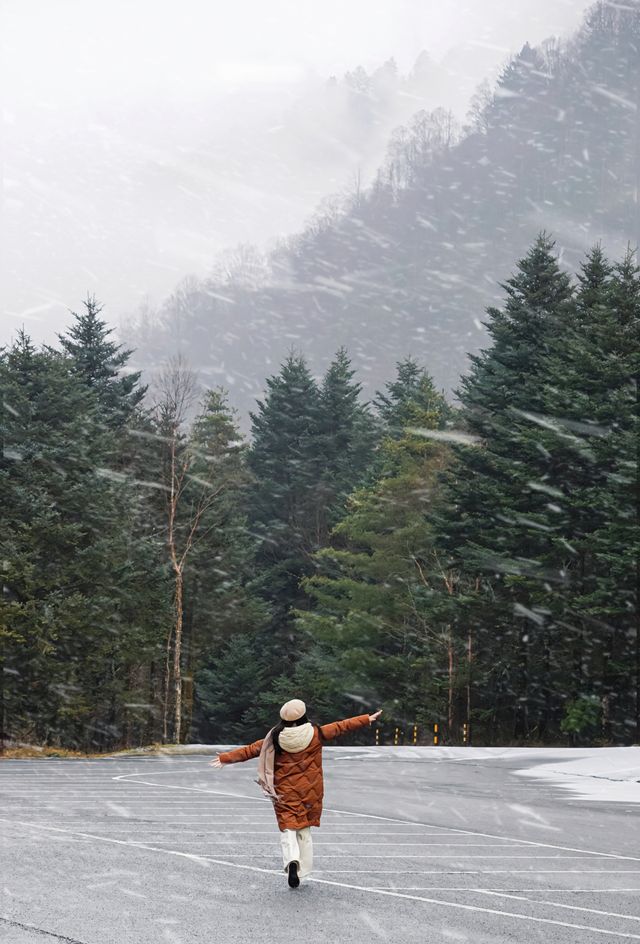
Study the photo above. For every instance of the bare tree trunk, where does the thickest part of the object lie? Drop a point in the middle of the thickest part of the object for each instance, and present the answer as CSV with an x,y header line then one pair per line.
x,y
637,500
129,726
188,699
636,189
605,704
149,732
177,388
449,580
177,659
450,692
521,707
637,664
188,659
166,684
469,660
176,629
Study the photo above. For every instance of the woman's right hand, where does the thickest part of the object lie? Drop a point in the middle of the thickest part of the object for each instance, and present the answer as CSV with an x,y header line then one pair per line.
x,y
375,716
216,762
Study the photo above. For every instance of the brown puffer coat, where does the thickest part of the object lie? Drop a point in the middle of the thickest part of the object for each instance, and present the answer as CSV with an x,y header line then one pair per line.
x,y
298,777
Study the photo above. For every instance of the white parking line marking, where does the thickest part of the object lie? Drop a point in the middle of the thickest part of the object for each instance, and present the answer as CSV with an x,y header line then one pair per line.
x,y
557,904
244,832
390,819
367,855
459,905
526,842
214,803
477,871
542,891
132,820
366,889
326,845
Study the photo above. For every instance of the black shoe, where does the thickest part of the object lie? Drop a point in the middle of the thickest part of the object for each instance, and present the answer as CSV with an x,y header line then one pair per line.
x,y
293,879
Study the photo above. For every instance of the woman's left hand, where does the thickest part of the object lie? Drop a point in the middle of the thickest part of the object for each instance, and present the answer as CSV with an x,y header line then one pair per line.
x,y
216,762
375,716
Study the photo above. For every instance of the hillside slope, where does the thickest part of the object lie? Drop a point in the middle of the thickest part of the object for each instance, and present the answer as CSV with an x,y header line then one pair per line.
x,y
408,265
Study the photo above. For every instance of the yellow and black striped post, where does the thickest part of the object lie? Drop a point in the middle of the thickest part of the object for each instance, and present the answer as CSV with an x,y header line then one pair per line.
x,y
465,733
377,736
415,734
436,734
396,736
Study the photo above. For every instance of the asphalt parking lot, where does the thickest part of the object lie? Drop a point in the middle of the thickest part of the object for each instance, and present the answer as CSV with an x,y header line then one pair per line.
x,y
165,849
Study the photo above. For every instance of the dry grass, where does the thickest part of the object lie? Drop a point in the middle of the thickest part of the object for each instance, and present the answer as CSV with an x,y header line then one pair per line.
x,y
29,751
35,752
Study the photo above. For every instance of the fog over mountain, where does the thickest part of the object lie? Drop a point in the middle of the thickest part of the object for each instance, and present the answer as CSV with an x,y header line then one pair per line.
x,y
408,264
139,143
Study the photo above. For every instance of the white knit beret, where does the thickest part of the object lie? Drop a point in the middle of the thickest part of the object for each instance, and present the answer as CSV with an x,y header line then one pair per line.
x,y
293,710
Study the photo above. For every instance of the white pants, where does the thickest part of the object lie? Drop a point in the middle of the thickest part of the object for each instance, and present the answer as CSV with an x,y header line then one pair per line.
x,y
297,847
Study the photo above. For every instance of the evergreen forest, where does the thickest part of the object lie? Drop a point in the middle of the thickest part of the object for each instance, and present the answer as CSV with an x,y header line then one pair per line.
x,y
467,560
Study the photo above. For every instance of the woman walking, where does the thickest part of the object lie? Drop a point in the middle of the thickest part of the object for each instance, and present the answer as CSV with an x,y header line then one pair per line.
x,y
290,774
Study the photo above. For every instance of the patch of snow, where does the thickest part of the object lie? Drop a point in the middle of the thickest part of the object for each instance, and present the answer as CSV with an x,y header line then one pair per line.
x,y
611,774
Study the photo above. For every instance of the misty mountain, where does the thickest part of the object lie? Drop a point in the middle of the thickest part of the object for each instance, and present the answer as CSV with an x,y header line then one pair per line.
x,y
170,180
408,263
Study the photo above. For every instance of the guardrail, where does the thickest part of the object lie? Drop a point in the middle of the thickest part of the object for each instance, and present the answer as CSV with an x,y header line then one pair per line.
x,y
426,735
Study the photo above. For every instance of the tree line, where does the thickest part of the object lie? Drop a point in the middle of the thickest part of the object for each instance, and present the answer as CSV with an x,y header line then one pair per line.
x,y
471,564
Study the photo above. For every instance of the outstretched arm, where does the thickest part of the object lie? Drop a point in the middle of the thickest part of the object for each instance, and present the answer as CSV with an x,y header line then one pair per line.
x,y
336,728
238,755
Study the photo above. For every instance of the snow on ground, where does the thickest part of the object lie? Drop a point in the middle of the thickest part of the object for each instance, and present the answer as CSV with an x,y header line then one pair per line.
x,y
591,773
597,773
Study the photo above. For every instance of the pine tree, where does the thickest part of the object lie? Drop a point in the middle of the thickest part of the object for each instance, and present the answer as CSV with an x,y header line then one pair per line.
x,y
285,511
101,363
617,541
220,601
591,432
77,582
404,399
496,525
223,562
542,511
227,687
366,628
346,436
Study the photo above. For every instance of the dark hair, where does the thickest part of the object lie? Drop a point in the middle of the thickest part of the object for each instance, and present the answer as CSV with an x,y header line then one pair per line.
x,y
281,725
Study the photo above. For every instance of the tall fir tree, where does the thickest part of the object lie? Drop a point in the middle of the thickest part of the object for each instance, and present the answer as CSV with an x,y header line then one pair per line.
x,y
367,629
346,436
496,525
102,364
81,592
223,613
542,512
285,507
405,400
103,367
591,431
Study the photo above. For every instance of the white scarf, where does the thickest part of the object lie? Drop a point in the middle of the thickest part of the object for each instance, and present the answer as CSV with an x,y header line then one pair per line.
x,y
295,739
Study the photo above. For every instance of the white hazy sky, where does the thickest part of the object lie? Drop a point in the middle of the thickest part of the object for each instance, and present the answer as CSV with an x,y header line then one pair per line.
x,y
107,48
70,228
